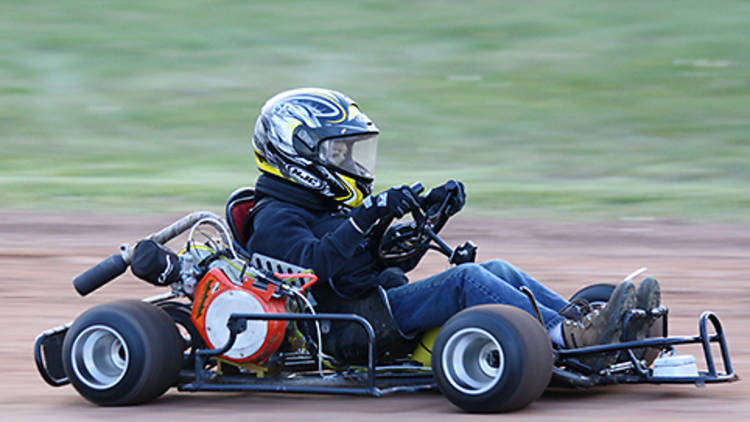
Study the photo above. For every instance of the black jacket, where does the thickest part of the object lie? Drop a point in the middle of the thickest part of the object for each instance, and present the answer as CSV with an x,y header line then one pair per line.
x,y
305,230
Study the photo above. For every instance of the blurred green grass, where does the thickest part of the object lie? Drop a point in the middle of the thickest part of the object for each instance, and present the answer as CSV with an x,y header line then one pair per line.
x,y
545,109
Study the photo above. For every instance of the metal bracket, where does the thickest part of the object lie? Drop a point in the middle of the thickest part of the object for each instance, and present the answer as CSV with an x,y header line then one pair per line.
x,y
534,305
237,323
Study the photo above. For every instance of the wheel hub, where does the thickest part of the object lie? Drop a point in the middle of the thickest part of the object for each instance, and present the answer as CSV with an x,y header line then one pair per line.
x,y
473,360
99,357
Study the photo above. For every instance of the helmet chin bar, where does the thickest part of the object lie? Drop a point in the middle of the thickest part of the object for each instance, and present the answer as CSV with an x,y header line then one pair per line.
x,y
343,188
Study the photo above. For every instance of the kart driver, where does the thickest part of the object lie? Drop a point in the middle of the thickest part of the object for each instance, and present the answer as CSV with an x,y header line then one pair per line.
x,y
316,153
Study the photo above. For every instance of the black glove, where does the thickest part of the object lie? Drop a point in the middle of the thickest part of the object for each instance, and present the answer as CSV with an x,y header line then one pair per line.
x,y
395,202
436,196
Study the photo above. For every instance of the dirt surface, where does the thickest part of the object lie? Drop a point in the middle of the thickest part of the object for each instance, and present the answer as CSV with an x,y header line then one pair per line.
x,y
700,267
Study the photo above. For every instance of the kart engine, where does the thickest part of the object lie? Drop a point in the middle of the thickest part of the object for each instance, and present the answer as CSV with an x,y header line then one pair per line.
x,y
217,298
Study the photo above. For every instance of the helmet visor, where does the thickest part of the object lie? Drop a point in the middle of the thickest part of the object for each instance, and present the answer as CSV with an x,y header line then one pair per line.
x,y
354,155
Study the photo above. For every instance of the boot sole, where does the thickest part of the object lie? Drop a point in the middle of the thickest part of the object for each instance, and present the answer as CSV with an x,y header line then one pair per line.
x,y
649,297
622,300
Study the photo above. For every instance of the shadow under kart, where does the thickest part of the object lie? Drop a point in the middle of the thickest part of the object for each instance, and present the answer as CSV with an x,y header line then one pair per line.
x,y
264,335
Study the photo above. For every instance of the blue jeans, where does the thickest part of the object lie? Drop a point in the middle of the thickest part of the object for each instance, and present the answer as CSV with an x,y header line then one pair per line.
x,y
425,304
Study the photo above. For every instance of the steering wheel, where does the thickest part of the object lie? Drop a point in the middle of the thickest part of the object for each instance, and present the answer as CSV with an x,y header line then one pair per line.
x,y
398,242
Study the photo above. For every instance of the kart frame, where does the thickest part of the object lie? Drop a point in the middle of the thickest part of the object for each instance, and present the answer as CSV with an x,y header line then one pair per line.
x,y
391,379
374,380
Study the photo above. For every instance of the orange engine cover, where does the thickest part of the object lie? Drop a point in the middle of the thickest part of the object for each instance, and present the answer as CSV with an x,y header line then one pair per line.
x,y
216,298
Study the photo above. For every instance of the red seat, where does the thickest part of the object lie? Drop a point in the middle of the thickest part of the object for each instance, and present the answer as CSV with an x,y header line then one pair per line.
x,y
239,206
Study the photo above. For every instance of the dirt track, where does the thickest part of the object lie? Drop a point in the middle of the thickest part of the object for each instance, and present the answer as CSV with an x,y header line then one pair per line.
x,y
700,267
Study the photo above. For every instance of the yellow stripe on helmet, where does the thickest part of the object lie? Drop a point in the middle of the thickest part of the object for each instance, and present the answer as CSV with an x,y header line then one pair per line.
x,y
353,111
263,165
354,197
336,103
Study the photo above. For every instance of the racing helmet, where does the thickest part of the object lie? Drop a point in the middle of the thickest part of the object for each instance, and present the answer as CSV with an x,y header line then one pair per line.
x,y
317,139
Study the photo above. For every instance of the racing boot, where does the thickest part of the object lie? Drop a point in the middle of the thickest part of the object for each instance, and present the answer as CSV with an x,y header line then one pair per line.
x,y
601,326
649,297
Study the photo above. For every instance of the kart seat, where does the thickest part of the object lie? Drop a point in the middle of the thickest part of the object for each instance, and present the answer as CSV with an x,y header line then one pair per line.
x,y
239,211
241,206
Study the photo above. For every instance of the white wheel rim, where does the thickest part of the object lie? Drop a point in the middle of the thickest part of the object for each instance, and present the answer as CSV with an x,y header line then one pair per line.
x,y
473,361
99,357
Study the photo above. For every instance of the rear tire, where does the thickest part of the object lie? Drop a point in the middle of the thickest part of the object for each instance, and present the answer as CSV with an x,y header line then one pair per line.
x,y
191,338
492,358
122,353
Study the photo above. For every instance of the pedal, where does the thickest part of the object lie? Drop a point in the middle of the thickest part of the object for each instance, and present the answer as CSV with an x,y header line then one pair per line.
x,y
617,368
658,312
636,313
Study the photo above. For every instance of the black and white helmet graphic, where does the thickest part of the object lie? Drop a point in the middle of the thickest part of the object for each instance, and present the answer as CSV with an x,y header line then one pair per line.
x,y
320,140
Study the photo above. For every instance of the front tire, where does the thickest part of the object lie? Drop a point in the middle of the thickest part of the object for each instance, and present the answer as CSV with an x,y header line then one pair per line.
x,y
595,294
122,353
492,358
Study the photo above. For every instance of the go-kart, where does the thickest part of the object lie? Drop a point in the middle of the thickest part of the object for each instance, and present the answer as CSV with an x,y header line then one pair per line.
x,y
237,321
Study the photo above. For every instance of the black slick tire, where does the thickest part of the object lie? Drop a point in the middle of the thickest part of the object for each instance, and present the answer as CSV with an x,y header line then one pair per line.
x,y
122,353
492,358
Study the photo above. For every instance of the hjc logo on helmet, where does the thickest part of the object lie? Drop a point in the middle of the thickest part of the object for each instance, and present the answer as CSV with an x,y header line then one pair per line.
x,y
304,178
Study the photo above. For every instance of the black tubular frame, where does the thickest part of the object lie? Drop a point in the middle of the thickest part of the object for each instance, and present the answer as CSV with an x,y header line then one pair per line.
x,y
643,374
567,370
237,324
40,355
